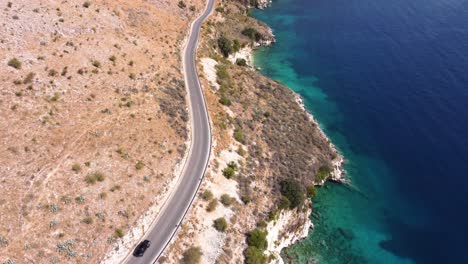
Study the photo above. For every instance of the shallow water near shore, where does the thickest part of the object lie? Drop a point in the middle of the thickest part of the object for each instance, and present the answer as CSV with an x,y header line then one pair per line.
x,y
387,82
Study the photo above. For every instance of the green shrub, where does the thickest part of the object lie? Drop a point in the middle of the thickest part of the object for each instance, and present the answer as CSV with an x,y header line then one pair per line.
x,y
207,195
95,177
220,224
241,62
76,167
254,255
284,203
192,255
119,233
212,205
181,4
236,46
96,64
88,220
311,191
246,199
241,151
221,72
293,191
225,101
15,63
225,45
229,172
226,200
322,174
252,34
29,78
139,165
257,238
239,135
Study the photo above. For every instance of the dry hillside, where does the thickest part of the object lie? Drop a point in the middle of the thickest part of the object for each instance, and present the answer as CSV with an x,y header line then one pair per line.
x,y
93,121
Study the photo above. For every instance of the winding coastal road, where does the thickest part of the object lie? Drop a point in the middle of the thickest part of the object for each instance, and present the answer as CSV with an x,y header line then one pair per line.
x,y
173,212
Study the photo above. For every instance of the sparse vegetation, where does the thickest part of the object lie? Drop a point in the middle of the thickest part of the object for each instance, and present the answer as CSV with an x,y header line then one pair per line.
x,y
252,34
95,177
86,4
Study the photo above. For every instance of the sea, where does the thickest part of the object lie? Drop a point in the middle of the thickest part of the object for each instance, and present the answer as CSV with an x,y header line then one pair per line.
x,y
388,83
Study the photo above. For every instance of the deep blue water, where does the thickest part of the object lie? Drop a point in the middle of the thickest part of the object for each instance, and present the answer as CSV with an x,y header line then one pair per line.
x,y
388,81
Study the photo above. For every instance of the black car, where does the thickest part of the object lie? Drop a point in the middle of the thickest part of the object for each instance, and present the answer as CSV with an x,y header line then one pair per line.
x,y
141,248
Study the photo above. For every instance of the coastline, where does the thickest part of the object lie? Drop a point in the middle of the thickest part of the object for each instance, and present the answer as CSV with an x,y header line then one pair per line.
x,y
279,140
277,239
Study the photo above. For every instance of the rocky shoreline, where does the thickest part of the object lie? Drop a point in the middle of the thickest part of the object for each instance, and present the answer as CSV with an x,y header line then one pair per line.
x,y
264,140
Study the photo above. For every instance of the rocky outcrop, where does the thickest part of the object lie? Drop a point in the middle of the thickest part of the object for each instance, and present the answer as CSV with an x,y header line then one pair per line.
x,y
290,227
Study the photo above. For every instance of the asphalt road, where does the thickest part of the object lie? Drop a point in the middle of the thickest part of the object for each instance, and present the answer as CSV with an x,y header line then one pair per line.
x,y
165,226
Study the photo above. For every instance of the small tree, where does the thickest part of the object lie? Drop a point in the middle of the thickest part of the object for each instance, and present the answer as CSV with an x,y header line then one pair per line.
x,y
225,45
229,172
293,191
241,62
254,255
257,238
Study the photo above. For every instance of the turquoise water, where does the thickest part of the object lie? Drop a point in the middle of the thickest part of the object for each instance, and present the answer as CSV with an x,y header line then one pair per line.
x,y
387,82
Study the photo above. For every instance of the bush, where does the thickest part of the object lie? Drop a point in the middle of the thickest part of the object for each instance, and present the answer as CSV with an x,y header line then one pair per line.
x,y
225,45
241,151
293,191
322,174
239,135
252,34
241,62
226,200
95,177
284,203
220,224
139,165
229,172
207,195
88,220
311,191
119,233
225,101
113,58
236,45
212,205
221,72
254,255
96,64
257,238
181,4
29,78
86,4
192,255
15,63
76,167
